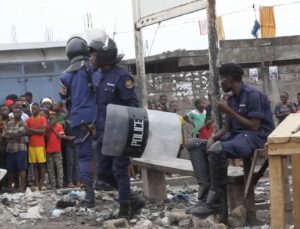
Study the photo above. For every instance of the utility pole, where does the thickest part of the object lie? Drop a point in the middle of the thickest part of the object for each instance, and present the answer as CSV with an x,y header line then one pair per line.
x,y
139,53
213,50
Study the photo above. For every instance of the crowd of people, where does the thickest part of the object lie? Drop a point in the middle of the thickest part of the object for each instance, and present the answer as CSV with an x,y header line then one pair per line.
x,y
35,138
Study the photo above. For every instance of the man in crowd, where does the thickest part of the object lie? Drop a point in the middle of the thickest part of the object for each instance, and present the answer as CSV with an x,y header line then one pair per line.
x,y
248,122
16,158
196,117
163,100
36,129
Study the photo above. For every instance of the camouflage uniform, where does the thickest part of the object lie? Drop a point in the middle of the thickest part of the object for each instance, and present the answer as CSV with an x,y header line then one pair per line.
x,y
54,161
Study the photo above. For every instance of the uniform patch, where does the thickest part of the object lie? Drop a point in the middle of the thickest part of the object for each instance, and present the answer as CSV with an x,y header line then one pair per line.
x,y
129,84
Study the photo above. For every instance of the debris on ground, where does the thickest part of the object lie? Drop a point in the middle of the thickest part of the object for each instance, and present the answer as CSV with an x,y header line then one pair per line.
x,y
54,209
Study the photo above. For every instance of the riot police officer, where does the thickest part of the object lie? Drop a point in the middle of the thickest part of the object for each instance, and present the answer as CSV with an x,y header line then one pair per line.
x,y
248,122
116,86
78,84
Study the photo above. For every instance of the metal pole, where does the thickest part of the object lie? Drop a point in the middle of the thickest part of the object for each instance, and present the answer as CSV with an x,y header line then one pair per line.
x,y
139,56
213,50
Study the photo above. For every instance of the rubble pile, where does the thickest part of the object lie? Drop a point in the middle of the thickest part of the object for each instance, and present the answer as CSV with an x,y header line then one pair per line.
x,y
59,209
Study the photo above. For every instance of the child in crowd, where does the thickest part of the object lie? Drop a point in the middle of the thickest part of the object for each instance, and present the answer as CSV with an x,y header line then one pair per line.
x,y
54,159
60,115
45,113
4,118
36,129
71,157
16,158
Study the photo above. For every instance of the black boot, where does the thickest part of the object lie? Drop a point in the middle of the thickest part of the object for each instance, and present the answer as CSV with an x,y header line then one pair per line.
x,y
136,203
124,210
101,185
215,202
198,156
89,200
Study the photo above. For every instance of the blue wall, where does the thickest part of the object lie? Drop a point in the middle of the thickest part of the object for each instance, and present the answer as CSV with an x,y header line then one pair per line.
x,y
40,78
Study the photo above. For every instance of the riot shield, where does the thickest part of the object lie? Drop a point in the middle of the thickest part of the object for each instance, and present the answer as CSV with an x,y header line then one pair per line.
x,y
138,132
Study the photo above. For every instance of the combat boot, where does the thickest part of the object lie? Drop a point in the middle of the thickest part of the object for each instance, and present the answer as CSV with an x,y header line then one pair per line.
x,y
198,156
124,210
136,203
101,185
216,198
89,200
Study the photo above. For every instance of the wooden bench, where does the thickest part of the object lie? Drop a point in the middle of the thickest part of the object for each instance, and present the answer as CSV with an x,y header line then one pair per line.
x,y
283,143
154,181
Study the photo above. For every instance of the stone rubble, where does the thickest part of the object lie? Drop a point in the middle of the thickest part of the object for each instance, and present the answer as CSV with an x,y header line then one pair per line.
x,y
59,209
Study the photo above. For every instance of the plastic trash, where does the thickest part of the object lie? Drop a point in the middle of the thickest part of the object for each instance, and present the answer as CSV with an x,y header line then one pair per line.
x,y
33,213
180,197
57,212
76,195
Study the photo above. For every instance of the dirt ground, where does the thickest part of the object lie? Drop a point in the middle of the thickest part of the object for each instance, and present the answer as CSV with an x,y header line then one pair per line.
x,y
45,215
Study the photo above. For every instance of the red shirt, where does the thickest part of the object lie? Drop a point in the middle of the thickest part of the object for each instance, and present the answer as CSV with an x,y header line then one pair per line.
x,y
206,132
54,143
36,140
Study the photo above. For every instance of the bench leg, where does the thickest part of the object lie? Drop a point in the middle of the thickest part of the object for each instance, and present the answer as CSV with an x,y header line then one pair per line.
x,y
250,200
250,175
296,188
154,184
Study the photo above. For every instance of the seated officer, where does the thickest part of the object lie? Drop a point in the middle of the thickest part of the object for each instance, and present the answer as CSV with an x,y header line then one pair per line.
x,y
248,122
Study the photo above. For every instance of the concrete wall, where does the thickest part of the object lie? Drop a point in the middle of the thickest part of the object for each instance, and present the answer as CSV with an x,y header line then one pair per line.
x,y
178,73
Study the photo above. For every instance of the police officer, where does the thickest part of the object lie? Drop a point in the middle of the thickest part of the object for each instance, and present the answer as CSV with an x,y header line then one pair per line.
x,y
248,122
116,86
78,84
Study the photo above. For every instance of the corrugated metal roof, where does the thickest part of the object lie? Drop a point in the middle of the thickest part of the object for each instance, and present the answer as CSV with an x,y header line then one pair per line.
x,y
35,45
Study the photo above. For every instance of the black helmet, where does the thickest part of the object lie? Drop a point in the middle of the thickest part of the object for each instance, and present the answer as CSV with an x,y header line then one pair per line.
x,y
77,49
107,51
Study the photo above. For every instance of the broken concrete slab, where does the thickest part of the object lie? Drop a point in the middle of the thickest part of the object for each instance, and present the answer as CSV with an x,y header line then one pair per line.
x,y
32,213
208,222
177,215
116,223
143,224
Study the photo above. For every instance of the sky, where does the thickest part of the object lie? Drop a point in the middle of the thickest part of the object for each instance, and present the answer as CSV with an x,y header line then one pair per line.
x,y
31,19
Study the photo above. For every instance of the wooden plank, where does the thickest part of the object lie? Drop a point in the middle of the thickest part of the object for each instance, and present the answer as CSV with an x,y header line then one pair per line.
x,y
166,14
154,184
179,166
276,192
250,200
285,129
284,148
296,189
262,152
286,184
295,137
250,175
175,165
